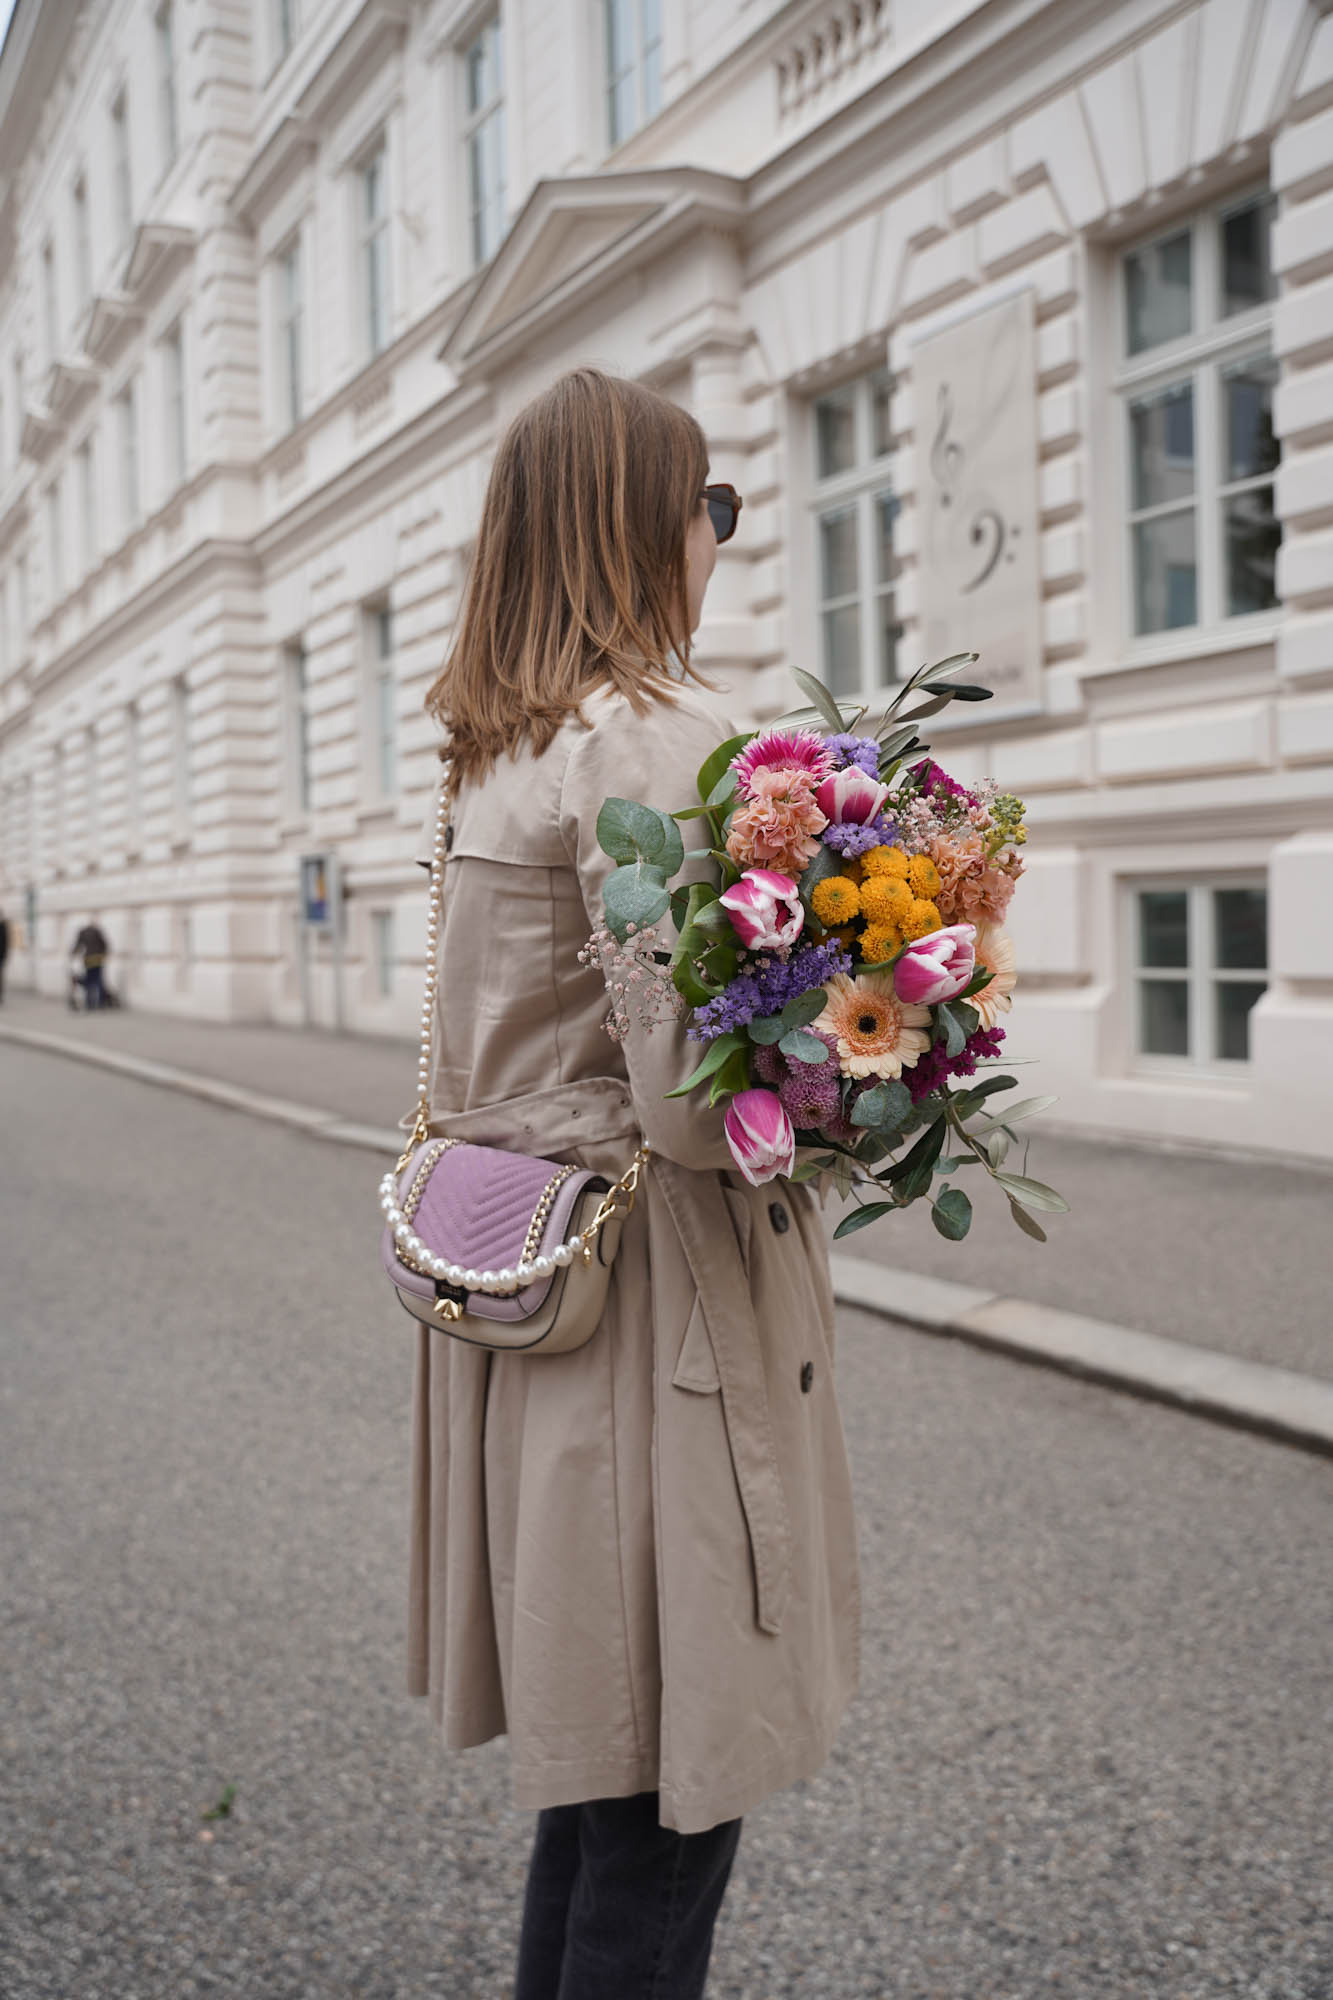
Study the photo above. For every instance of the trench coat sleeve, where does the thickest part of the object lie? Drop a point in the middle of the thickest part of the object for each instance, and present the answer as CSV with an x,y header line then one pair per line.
x,y
653,759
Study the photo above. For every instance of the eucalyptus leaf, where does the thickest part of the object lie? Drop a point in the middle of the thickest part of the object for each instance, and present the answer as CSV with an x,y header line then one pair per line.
x,y
884,1107
825,863
966,1016
951,1213
861,1218
804,1009
634,895
628,832
799,1045
767,1029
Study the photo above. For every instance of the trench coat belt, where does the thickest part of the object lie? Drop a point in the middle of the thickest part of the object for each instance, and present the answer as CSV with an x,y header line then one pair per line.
x,y
596,1111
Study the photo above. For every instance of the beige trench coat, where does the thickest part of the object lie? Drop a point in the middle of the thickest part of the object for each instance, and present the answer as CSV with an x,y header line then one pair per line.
x,y
639,1558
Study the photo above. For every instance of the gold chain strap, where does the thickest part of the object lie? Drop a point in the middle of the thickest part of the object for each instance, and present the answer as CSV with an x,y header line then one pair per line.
x,y
620,1195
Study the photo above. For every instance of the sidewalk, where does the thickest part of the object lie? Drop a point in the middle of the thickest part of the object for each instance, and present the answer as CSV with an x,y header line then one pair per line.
x,y
1226,1269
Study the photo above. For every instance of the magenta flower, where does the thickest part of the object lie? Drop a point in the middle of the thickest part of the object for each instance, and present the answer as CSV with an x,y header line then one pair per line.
x,y
785,749
760,1136
765,909
850,795
936,967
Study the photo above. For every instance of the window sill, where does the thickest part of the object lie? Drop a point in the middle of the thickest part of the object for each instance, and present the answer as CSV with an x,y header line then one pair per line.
x,y
1165,1073
1195,643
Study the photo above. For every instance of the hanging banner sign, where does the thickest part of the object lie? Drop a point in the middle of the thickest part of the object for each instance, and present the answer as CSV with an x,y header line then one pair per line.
x,y
319,891
975,399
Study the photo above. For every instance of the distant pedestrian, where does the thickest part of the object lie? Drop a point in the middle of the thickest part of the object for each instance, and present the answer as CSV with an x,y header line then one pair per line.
x,y
4,951
91,946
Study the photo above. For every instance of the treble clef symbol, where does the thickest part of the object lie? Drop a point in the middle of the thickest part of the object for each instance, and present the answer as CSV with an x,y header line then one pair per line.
x,y
946,455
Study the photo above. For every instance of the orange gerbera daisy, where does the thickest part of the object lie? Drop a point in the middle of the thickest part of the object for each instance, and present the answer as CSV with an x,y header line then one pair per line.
x,y
876,1033
995,949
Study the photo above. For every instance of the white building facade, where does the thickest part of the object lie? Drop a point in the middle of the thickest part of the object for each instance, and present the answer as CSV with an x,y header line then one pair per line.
x,y
1011,319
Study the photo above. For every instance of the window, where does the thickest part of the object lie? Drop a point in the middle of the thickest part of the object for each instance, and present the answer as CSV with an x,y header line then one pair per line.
x,y
50,313
87,507
296,698
54,542
181,789
120,169
83,255
133,777
290,318
854,508
173,371
1197,382
381,922
284,27
129,457
93,792
633,65
382,691
166,84
484,136
1200,962
374,243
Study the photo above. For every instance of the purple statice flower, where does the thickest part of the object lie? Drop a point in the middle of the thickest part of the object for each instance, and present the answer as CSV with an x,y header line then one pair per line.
x,y
855,837
765,987
862,751
931,1069
930,779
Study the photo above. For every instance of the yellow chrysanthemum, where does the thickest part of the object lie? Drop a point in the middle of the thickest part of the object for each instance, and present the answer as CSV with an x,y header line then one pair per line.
x,y
923,875
878,942
921,919
835,900
852,868
885,899
845,936
885,861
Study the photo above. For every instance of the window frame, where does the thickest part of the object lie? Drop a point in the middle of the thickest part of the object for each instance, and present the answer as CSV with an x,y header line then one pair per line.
x,y
647,103
122,167
374,249
289,321
1199,359
168,108
1200,974
297,779
858,487
83,244
472,127
173,382
55,538
382,757
384,951
50,301
131,481
88,550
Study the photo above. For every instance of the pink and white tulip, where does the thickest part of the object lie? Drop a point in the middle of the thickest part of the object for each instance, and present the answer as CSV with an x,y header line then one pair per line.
x,y
760,1135
850,796
937,967
765,909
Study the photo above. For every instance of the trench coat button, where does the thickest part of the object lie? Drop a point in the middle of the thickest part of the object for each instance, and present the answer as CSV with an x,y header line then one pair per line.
x,y
779,1217
448,836
807,1377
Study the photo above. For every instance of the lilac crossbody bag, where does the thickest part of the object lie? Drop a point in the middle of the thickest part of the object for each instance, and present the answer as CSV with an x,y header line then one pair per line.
x,y
500,1249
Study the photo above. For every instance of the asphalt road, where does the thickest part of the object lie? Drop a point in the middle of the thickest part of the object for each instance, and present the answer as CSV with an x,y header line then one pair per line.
x,y
1090,1755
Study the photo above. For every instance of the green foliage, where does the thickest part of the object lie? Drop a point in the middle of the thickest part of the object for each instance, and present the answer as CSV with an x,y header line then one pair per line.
x,y
815,692
733,1075
862,1217
635,895
1027,1223
885,1107
717,1054
799,1045
716,762
804,1009
631,832
222,1810
1033,1194
951,1213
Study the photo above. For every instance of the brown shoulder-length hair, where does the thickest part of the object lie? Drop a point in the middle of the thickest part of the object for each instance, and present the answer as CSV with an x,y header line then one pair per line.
x,y
578,573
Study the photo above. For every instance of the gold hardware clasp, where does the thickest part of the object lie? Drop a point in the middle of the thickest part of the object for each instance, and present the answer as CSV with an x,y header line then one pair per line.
x,y
448,1309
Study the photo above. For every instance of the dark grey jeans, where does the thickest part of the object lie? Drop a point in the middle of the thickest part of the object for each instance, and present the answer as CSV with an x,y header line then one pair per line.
x,y
618,1907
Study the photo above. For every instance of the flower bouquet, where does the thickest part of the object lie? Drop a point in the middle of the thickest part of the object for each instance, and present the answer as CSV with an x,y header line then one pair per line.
x,y
843,961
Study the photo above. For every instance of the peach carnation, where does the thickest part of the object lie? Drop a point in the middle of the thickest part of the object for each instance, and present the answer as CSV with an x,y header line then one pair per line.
x,y
780,825
973,889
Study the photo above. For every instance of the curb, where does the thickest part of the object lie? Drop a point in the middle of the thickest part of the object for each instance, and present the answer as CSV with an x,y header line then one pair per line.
x,y
1250,1395
1276,1402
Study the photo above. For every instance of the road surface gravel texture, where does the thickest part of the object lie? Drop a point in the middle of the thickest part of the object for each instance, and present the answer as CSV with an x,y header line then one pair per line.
x,y
1090,1756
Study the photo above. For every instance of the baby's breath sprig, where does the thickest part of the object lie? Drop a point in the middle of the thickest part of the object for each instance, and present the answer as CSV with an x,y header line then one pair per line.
x,y
638,980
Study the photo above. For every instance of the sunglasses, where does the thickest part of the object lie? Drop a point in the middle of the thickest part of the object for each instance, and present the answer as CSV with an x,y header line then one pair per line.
x,y
724,504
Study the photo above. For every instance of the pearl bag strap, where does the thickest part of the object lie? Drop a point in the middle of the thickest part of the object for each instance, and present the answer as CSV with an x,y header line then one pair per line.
x,y
619,1198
